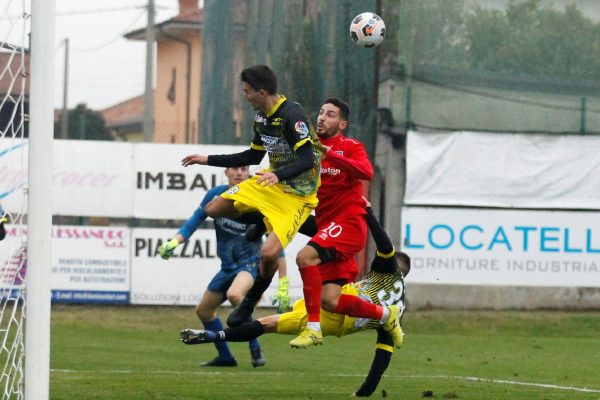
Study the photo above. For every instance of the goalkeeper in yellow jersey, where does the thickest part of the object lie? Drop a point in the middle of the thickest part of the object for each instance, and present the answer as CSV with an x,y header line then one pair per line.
x,y
383,285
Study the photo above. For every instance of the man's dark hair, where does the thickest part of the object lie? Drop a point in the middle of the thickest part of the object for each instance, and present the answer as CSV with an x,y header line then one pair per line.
x,y
260,77
342,105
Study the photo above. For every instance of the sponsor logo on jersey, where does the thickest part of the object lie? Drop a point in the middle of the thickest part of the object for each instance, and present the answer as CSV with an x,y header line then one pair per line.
x,y
233,190
330,171
340,152
275,145
302,129
259,119
277,122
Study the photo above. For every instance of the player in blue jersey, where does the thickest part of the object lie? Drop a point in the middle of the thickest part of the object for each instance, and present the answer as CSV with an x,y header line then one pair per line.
x,y
239,266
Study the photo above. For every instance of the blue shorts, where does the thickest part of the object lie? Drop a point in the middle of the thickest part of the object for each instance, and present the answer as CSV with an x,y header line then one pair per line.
x,y
221,282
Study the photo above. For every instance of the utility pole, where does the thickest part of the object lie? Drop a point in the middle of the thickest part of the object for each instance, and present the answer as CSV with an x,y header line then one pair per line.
x,y
149,91
64,126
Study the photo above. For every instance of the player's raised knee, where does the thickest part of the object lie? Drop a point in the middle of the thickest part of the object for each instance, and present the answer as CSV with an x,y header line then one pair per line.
x,y
235,297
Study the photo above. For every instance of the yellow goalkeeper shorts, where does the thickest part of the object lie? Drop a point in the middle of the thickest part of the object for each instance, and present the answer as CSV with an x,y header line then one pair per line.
x,y
332,324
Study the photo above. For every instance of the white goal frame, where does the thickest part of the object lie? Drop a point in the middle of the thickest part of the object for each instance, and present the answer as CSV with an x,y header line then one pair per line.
x,y
39,216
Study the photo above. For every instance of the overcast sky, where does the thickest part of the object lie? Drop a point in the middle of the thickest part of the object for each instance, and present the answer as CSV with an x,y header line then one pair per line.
x,y
104,67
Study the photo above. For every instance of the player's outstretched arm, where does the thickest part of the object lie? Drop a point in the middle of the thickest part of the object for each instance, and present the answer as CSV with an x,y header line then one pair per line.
x,y
241,159
383,355
382,240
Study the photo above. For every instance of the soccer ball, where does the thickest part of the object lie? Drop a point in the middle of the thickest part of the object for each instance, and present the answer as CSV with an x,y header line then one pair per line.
x,y
367,30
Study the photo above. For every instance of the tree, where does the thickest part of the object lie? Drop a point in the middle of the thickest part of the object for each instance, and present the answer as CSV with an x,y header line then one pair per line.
x,y
531,39
525,38
425,32
85,124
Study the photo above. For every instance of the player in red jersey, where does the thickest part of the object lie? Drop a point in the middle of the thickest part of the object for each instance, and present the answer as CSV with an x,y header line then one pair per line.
x,y
327,262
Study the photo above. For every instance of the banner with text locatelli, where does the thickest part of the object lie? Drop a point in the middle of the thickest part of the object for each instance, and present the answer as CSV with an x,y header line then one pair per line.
x,y
90,264
502,247
183,278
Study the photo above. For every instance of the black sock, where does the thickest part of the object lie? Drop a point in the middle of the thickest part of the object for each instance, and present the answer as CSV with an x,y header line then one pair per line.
x,y
243,333
260,285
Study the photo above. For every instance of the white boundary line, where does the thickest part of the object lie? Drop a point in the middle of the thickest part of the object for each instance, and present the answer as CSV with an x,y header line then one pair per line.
x,y
272,373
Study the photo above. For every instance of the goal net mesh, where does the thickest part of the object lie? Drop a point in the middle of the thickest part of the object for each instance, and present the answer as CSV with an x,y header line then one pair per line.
x,y
14,64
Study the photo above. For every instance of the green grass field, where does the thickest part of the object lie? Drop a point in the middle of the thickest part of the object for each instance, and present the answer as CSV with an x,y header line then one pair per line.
x,y
103,352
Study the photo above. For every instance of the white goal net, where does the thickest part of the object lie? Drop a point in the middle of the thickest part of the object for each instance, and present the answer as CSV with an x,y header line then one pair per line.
x,y
14,65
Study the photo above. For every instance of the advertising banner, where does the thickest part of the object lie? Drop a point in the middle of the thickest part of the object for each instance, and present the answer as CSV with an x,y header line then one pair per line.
x,y
502,247
90,264
166,190
183,278
115,179
503,170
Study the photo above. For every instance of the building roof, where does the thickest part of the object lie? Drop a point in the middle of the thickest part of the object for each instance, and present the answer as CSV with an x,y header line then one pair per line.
x,y
10,78
126,113
189,19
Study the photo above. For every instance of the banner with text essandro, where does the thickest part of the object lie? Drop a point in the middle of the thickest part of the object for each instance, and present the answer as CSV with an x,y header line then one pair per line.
x,y
502,247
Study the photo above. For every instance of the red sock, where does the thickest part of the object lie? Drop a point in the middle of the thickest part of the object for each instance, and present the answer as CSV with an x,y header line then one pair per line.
x,y
354,306
311,281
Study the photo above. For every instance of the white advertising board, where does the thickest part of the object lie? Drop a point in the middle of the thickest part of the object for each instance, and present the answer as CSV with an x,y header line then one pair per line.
x,y
90,264
183,279
503,170
501,247
115,179
166,190
92,178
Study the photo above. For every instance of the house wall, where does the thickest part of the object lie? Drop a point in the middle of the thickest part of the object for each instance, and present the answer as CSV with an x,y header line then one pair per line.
x,y
170,111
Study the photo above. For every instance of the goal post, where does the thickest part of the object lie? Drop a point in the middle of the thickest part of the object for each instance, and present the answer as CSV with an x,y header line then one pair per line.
x,y
39,226
26,110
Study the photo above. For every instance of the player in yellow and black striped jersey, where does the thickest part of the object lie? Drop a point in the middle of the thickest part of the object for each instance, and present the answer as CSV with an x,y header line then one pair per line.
x,y
383,285
283,195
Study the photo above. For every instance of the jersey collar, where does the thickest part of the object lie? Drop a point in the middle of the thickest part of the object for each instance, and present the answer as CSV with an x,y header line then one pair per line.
x,y
276,106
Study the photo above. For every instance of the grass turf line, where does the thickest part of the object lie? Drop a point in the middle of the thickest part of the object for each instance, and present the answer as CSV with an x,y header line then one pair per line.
x,y
105,352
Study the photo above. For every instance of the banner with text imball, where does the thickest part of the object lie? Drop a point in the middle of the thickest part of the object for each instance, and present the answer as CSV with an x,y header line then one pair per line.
x,y
166,190
502,247
115,179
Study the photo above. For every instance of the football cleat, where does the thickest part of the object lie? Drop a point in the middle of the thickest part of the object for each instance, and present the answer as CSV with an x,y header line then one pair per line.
x,y
196,336
392,326
258,358
308,337
220,362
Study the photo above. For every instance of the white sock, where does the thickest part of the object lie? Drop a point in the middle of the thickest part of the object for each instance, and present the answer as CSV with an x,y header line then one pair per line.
x,y
385,316
315,326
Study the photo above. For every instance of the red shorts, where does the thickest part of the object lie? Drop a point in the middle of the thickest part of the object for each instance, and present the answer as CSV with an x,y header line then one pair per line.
x,y
347,236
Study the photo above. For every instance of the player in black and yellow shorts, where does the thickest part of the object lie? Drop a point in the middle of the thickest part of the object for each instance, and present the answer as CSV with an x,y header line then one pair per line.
x,y
383,285
286,192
